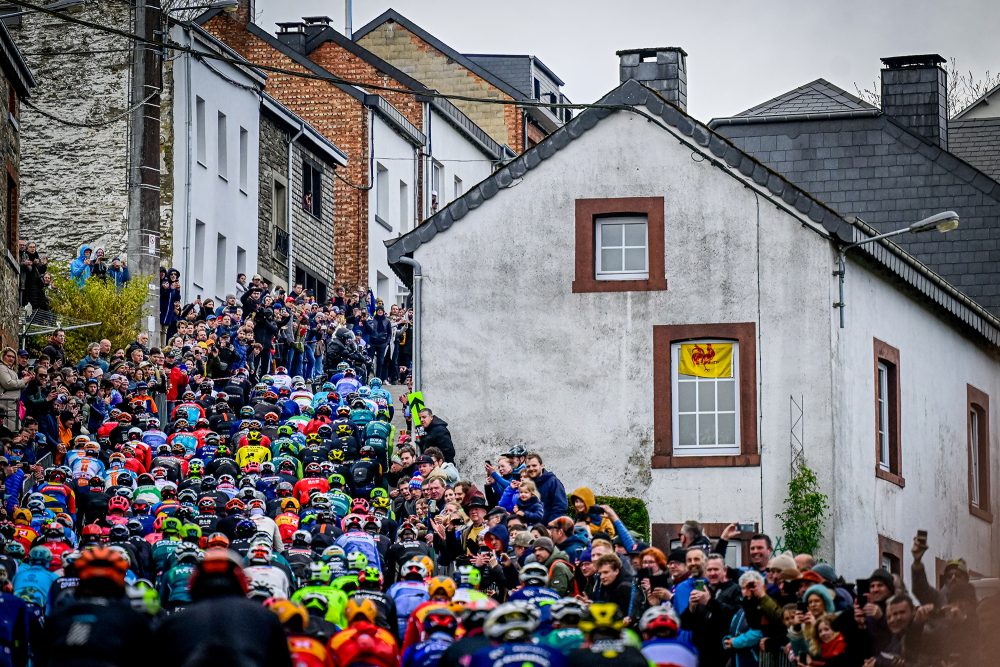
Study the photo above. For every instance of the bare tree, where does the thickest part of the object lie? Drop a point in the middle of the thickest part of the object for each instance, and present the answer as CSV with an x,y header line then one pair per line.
x,y
963,88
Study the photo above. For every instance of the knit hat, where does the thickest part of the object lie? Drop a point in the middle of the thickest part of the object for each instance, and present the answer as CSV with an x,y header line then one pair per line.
x,y
791,574
584,557
885,577
823,592
544,543
782,561
417,482
826,571
677,556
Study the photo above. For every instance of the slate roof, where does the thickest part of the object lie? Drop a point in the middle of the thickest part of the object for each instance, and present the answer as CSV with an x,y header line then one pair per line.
x,y
982,99
14,65
467,63
515,70
819,97
870,166
718,150
977,141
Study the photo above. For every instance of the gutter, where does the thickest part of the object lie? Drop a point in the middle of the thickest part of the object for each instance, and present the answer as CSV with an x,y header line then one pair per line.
x,y
788,118
418,279
288,209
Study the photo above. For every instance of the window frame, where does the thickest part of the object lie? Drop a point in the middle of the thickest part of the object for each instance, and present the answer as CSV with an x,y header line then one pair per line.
x,y
600,222
312,174
887,356
588,212
13,213
699,449
664,337
978,404
894,550
222,145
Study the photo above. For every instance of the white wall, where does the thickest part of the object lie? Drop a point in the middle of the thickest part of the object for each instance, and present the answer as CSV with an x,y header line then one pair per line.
x,y
397,156
458,157
225,206
571,374
936,364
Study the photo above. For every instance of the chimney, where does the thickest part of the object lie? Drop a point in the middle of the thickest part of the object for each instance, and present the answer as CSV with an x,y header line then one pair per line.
x,y
293,34
316,25
663,69
245,13
915,94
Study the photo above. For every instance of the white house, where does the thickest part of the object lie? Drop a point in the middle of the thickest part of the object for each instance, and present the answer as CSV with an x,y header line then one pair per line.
x,y
556,294
216,114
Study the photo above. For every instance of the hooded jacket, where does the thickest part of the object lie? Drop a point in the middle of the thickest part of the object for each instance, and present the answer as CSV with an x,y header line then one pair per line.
x,y
597,522
438,435
78,269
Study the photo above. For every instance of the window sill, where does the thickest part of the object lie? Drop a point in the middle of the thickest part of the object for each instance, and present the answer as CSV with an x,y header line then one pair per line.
x,y
737,461
382,222
583,286
311,214
223,178
891,477
202,164
980,513
244,192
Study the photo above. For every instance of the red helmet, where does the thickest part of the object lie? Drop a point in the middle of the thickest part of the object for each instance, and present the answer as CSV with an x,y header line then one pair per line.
x,y
119,503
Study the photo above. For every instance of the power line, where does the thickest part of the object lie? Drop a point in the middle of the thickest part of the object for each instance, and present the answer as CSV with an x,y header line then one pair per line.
x,y
94,125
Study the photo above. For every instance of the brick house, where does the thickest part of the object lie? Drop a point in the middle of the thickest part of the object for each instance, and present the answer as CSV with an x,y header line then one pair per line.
x,y
15,85
400,41
891,165
393,165
293,204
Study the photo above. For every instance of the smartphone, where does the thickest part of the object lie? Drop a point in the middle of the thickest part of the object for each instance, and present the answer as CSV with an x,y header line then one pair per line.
x,y
699,585
746,527
861,587
488,462
26,467
922,537
801,606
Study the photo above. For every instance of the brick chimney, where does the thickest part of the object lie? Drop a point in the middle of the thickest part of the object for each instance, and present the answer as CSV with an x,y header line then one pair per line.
x,y
293,34
663,69
915,94
245,13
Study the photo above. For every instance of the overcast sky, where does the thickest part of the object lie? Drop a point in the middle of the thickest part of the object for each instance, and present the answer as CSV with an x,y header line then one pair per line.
x,y
739,53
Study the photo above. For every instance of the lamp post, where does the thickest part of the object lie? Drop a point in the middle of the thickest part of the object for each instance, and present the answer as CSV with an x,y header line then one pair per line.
x,y
941,222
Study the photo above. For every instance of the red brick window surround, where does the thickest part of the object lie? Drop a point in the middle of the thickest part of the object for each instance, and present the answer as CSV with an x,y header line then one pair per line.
x,y
589,214
735,412
890,555
888,448
978,415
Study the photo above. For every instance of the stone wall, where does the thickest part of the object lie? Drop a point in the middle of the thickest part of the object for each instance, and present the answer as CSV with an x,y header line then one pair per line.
x,y
273,165
74,180
9,149
423,62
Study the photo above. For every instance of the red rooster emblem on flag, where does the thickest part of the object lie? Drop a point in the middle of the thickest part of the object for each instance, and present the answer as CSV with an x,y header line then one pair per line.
x,y
703,356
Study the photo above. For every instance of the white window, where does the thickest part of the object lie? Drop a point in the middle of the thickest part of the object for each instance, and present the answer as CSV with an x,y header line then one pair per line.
x,y
200,130
220,265
223,148
404,207
974,455
437,179
622,248
706,415
244,159
199,254
882,401
381,191
241,261
459,189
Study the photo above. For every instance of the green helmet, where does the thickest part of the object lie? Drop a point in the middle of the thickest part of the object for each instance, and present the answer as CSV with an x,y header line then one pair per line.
x,y
357,561
467,576
319,573
143,597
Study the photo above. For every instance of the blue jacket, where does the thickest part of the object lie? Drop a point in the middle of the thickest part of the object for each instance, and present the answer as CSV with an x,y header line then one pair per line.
x,y
78,269
533,510
553,495
120,276
745,641
682,594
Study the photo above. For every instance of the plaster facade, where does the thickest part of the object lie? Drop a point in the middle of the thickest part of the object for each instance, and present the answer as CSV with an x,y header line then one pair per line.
x,y
574,377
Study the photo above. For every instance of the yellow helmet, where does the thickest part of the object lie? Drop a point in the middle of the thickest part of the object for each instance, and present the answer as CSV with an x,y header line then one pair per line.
x,y
444,585
360,608
602,616
292,615
290,504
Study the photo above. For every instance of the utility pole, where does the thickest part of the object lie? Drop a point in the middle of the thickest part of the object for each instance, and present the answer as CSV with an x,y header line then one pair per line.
x,y
144,158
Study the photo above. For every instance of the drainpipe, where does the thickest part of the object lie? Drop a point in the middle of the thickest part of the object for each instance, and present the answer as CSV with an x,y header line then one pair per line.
x,y
418,278
187,175
288,210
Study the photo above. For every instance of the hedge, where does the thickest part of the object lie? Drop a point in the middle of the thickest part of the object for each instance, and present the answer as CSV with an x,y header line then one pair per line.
x,y
631,511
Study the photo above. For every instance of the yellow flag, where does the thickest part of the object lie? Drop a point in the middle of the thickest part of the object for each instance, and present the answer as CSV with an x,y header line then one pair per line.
x,y
707,360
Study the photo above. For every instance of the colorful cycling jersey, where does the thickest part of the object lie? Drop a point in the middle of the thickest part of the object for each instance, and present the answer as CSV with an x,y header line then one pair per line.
x,y
518,655
670,653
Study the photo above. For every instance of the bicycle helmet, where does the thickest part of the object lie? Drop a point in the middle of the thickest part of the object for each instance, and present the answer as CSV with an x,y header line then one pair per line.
x,y
660,621
602,618
475,612
468,576
186,552
440,619
439,587
568,612
40,556
101,563
512,622
357,561
413,570
360,609
292,615
534,574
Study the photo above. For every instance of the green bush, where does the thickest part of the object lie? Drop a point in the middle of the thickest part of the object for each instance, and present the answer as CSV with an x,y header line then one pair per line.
x,y
631,511
118,311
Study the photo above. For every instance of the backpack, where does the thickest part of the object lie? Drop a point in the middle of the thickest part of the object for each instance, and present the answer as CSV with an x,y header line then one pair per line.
x,y
574,588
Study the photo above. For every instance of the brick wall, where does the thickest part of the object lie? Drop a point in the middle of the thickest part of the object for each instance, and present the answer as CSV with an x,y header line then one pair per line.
x,y
9,149
412,55
74,180
339,117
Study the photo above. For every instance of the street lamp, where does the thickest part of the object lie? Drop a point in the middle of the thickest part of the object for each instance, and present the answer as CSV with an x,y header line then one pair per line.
x,y
941,222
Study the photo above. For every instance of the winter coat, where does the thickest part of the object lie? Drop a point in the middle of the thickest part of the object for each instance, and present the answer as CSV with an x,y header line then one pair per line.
x,y
10,384
379,330
532,510
78,269
553,495
438,435
596,521
34,288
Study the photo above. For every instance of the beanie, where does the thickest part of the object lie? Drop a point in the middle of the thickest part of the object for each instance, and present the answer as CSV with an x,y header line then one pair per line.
x,y
544,543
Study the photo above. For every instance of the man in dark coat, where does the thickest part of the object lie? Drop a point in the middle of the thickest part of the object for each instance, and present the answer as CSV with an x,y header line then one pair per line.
x,y
436,434
379,331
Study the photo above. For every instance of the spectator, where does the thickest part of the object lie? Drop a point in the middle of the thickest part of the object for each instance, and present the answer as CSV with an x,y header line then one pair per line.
x,y
80,268
436,434
118,272
33,269
550,489
55,350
